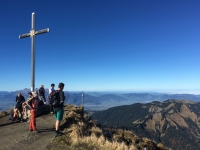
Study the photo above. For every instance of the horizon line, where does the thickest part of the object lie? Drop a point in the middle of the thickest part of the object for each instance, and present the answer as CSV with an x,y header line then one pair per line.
x,y
178,91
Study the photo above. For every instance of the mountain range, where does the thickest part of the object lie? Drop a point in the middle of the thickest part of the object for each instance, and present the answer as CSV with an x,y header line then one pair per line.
x,y
175,123
98,100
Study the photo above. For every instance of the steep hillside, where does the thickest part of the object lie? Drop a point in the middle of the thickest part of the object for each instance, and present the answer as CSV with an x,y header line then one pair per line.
x,y
82,132
176,124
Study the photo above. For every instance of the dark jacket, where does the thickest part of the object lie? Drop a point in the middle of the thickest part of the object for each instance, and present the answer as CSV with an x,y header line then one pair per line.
x,y
20,99
41,91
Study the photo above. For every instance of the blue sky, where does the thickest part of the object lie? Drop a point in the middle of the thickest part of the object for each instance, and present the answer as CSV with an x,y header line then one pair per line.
x,y
103,45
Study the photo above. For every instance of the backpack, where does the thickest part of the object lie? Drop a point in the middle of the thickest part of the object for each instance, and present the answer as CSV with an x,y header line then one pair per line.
x,y
55,98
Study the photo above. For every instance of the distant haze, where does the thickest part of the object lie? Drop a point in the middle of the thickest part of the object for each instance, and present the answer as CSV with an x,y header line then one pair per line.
x,y
100,100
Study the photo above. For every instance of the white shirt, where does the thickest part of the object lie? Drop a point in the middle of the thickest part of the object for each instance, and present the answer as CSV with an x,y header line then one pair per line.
x,y
51,89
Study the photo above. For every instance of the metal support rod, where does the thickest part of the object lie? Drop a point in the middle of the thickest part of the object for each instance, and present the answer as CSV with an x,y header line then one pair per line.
x,y
83,99
32,63
42,31
33,21
33,54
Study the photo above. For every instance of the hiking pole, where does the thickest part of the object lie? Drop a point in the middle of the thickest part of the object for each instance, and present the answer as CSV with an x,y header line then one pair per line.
x,y
83,99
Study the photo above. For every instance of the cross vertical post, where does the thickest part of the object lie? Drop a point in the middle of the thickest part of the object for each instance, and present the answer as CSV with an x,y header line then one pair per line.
x,y
32,36
33,55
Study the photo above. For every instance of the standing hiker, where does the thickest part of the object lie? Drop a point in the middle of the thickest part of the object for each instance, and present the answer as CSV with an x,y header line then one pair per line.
x,y
33,104
58,99
51,89
42,94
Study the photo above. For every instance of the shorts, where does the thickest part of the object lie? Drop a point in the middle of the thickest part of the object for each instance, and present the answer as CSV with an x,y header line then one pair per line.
x,y
18,106
27,107
58,113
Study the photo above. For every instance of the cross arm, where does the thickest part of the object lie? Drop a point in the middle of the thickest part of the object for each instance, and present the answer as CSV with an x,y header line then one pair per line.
x,y
24,35
42,31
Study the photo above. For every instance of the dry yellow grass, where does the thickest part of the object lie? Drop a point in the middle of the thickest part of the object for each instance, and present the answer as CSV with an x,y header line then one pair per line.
x,y
97,131
99,142
161,146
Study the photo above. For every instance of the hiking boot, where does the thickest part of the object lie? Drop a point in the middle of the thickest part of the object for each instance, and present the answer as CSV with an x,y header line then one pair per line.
x,y
11,118
35,131
57,133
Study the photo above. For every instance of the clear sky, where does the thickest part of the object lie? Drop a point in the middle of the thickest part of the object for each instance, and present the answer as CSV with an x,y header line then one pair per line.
x,y
102,45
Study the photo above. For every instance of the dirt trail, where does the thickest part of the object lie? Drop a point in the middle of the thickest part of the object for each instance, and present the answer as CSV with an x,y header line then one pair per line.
x,y
16,136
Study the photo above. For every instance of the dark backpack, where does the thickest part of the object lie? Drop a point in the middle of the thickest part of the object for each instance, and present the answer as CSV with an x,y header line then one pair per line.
x,y
55,98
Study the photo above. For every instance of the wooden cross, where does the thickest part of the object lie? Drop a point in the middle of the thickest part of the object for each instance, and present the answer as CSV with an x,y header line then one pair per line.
x,y
32,36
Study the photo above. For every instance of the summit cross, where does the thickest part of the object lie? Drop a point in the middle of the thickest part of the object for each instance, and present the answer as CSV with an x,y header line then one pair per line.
x,y
32,36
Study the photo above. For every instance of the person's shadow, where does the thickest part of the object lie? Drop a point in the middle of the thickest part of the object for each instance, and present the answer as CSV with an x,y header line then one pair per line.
x,y
9,123
46,130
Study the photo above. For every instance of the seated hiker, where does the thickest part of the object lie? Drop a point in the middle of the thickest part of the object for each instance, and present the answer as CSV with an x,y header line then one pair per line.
x,y
33,104
25,106
19,99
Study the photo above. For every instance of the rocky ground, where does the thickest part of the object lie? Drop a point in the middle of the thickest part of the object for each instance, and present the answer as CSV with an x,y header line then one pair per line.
x,y
16,135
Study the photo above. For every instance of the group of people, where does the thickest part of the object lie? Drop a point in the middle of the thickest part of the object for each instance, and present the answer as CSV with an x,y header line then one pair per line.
x,y
34,100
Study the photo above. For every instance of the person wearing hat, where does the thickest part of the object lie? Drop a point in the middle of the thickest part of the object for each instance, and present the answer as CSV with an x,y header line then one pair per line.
x,y
42,94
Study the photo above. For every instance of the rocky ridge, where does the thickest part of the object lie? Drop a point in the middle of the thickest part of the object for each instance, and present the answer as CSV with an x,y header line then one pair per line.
x,y
175,123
